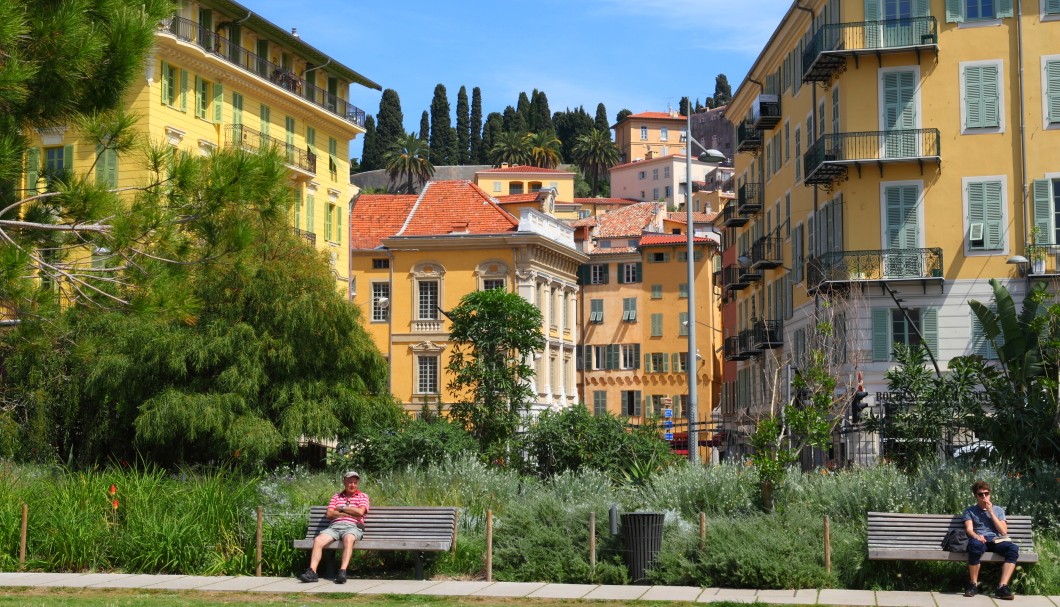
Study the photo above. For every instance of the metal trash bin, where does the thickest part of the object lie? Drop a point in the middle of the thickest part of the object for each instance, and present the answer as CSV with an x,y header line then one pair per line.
x,y
642,534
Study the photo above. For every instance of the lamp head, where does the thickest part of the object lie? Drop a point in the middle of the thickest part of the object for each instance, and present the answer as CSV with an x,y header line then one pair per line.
x,y
714,156
744,261
382,301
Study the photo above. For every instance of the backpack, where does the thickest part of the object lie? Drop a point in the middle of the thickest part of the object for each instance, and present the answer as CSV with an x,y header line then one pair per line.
x,y
956,540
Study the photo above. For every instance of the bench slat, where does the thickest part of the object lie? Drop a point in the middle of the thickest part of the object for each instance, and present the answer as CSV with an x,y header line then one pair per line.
x,y
916,537
419,528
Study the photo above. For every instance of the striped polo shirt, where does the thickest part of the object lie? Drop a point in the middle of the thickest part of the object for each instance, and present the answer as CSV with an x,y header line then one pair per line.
x,y
357,500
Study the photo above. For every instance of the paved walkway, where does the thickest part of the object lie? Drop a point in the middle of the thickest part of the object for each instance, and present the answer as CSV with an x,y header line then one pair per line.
x,y
855,598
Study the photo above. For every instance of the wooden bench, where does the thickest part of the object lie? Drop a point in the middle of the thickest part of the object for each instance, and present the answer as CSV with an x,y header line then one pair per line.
x,y
418,529
918,537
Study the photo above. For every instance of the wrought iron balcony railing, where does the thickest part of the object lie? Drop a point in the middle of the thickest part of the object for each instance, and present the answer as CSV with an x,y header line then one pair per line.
x,y
748,138
731,217
241,136
731,279
767,253
748,347
749,199
826,54
868,266
765,111
768,334
1044,259
731,349
309,237
828,159
189,31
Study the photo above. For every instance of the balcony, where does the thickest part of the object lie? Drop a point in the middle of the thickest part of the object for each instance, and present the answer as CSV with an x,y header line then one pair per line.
x,y
768,334
731,349
189,31
244,137
1044,260
829,159
748,138
749,273
309,237
895,265
748,347
827,52
749,199
730,279
765,112
731,218
767,253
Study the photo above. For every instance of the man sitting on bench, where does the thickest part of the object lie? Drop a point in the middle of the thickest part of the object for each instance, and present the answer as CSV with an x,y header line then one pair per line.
x,y
346,512
988,532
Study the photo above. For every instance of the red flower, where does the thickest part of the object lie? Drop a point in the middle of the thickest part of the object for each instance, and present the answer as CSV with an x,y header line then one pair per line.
x,y
113,489
114,504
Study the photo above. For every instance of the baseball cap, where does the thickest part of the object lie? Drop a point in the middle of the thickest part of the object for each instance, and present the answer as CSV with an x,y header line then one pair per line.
x,y
350,473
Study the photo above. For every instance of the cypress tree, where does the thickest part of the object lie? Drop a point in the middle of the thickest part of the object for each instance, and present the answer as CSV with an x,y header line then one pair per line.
x,y
463,128
372,155
523,107
443,148
540,115
601,119
513,121
685,107
621,115
722,90
477,150
390,122
493,128
425,126
569,126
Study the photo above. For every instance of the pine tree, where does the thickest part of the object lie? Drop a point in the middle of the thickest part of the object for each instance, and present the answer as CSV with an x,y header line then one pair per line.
x,y
371,155
463,128
390,122
425,126
443,147
601,118
477,152
722,90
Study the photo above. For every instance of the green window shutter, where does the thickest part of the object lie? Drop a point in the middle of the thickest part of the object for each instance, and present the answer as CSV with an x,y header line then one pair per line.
x,y
955,11
1004,8
872,10
901,229
167,84
218,102
309,214
636,356
237,108
1052,7
923,8
1052,88
604,274
929,326
583,275
297,208
638,272
338,224
991,98
265,116
199,110
682,290
612,356
881,334
183,90
977,214
311,139
656,291
666,364
980,344
1042,210
973,97
637,403
648,368
995,229
682,324
68,157
327,224
656,325
106,167
33,170
621,274
675,363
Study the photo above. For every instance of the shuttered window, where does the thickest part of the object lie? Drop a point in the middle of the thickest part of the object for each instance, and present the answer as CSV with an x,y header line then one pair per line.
x,y
106,167
596,311
890,326
985,220
1052,90
981,100
656,325
981,346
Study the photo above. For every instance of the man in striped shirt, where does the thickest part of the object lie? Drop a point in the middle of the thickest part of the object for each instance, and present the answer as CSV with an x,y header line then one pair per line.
x,y
346,512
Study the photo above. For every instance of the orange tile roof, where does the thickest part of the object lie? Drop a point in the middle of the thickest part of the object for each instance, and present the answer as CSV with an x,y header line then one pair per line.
x,y
682,217
649,240
657,116
627,221
510,198
619,201
377,216
650,160
446,207
521,168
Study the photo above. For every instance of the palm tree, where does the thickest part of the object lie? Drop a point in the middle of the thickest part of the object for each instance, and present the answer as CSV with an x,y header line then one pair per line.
x,y
407,157
595,154
512,148
544,149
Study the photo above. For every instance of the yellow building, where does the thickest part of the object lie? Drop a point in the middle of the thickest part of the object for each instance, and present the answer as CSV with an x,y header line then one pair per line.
x,y
649,135
633,357
416,256
222,76
508,180
898,154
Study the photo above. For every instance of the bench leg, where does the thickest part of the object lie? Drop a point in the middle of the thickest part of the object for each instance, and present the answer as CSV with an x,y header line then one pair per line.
x,y
419,565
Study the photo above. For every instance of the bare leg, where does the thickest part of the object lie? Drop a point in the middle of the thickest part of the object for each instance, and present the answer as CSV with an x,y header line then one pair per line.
x,y
1006,572
973,573
347,549
319,543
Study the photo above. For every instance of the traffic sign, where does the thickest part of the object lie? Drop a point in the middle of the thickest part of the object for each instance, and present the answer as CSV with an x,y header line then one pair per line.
x,y
668,436
668,424
668,412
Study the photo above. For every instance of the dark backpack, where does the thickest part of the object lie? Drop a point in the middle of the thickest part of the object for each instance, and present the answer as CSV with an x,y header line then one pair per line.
x,y
956,540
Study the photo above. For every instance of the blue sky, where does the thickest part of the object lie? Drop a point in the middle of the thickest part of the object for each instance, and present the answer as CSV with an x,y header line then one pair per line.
x,y
642,55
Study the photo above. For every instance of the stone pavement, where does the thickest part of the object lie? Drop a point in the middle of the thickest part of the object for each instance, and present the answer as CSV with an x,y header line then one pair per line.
x,y
852,598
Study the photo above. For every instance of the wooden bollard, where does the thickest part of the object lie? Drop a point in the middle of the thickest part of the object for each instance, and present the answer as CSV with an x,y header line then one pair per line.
x,y
489,545
827,545
592,540
261,515
22,537
702,530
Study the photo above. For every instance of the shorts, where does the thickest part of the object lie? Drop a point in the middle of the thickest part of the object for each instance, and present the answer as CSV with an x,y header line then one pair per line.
x,y
338,530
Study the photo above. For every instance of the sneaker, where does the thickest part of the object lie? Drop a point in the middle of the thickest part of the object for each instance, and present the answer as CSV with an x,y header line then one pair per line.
x,y
971,590
340,577
1004,593
309,576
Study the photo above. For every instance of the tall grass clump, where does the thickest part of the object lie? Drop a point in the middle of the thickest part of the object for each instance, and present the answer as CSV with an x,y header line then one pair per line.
x,y
724,489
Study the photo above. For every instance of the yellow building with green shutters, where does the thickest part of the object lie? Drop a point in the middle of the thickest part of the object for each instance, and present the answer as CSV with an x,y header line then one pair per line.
x,y
221,76
899,154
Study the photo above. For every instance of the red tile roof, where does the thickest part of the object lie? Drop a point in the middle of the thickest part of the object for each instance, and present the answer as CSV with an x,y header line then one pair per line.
x,y
682,217
657,116
521,168
627,221
446,207
649,240
377,216
511,198
672,157
618,201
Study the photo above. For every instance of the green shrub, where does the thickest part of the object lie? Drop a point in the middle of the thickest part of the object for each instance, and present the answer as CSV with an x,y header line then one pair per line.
x,y
417,442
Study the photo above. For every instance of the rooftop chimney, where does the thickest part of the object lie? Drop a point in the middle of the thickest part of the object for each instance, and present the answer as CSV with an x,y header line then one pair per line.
x,y
294,32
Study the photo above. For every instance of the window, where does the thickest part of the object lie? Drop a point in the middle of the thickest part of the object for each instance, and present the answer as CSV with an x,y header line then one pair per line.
x,y
629,309
643,133
599,357
787,141
682,290
496,187
656,325
985,221
631,403
655,193
380,301
169,84
264,116
982,98
489,284
658,403
426,374
1051,8
642,175
630,354
958,11
658,257
682,324
655,174
202,97
1051,87
333,161
1046,193
631,273
890,327
598,274
329,228
668,191
596,311
380,263
599,403
427,300
657,362
681,362
980,9
656,291
666,172
310,214
664,134
982,346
